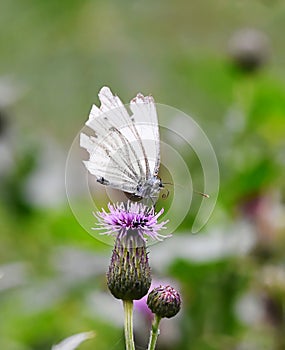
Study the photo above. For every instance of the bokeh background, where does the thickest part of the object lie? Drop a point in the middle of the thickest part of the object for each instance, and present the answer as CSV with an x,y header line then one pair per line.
x,y
222,62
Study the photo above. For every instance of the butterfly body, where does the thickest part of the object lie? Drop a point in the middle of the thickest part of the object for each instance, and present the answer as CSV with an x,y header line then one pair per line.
x,y
149,188
124,150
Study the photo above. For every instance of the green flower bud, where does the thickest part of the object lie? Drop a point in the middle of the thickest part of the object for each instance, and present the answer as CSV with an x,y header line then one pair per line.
x,y
129,275
164,301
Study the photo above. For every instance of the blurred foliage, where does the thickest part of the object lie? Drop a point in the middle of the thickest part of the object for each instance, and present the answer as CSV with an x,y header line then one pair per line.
x,y
211,323
56,56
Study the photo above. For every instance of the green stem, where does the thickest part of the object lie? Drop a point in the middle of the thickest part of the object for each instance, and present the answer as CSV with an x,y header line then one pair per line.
x,y
154,333
129,337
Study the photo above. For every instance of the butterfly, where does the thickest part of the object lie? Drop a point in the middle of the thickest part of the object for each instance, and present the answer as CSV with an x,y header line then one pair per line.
x,y
124,147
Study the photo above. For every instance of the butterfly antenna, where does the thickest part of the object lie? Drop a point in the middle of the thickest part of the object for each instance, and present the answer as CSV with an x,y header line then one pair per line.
x,y
202,194
197,192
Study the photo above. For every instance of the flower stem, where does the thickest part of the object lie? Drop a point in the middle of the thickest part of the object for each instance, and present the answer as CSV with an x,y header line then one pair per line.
x,y
154,332
129,337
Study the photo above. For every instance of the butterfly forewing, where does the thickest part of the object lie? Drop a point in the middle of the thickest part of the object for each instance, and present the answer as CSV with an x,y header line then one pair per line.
x,y
145,116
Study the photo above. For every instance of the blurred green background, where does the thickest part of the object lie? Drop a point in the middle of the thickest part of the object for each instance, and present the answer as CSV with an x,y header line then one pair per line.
x,y
221,62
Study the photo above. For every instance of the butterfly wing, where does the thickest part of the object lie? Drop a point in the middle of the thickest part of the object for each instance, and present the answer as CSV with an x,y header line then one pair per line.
x,y
117,149
145,116
105,163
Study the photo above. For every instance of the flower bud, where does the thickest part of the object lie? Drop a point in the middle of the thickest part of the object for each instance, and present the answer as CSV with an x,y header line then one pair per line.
x,y
164,301
129,275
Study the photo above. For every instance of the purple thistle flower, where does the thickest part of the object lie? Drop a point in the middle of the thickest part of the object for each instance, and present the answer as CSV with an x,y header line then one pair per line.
x,y
131,217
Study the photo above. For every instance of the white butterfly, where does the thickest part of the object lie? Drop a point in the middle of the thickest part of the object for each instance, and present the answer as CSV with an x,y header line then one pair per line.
x,y
124,150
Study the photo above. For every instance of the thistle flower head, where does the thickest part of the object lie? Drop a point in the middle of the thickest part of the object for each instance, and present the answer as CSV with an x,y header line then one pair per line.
x,y
129,274
141,305
164,301
131,217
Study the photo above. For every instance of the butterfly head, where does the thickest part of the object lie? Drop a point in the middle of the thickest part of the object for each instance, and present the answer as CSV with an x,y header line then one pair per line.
x,y
149,188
